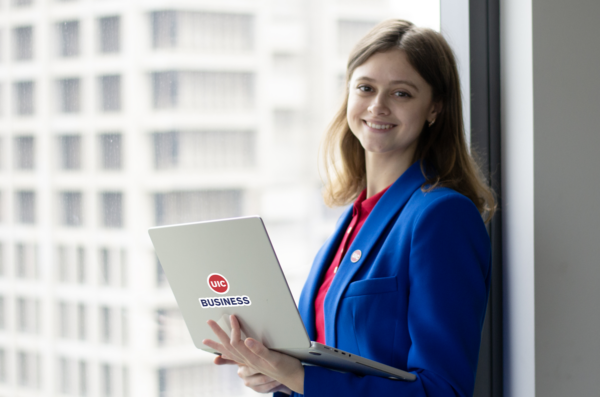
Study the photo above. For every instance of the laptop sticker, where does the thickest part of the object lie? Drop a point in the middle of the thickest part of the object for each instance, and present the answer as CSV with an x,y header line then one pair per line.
x,y
219,284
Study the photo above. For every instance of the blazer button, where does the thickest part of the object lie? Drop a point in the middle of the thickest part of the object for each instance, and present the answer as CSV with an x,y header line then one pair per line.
x,y
355,256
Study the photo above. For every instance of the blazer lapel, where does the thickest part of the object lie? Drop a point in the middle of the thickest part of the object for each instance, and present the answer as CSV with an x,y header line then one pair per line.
x,y
389,205
306,305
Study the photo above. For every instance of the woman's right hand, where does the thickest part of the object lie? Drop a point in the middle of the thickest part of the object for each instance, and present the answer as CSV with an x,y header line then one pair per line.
x,y
255,380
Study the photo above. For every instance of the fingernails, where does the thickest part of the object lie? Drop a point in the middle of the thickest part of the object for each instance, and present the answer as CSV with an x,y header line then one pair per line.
x,y
250,343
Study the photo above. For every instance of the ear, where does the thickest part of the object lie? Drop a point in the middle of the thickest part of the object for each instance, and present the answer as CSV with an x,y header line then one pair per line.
x,y
435,110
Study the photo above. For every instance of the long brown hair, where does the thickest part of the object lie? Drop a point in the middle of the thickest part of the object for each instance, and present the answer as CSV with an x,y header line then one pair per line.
x,y
441,149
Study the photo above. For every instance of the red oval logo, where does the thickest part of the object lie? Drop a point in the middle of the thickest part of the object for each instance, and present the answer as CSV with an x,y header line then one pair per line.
x,y
218,283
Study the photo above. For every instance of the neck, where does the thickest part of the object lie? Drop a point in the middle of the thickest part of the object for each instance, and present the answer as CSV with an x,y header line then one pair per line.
x,y
384,168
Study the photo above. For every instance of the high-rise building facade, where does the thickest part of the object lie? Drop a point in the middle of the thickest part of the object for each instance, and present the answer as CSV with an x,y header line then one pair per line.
x,y
117,116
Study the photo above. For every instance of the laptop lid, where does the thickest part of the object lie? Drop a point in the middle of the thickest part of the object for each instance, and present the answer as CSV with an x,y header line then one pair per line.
x,y
224,267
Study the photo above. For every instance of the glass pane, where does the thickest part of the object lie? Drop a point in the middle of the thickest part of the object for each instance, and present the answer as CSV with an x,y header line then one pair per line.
x,y
115,119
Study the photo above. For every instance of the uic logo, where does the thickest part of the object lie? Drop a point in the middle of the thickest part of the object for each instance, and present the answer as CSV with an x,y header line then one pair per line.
x,y
218,283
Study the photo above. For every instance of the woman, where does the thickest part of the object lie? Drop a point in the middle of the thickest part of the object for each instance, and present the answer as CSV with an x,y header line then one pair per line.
x,y
412,289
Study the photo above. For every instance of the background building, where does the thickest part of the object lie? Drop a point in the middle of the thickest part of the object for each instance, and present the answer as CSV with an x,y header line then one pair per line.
x,y
118,116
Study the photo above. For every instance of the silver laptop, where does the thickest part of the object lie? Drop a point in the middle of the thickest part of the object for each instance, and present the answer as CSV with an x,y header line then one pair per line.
x,y
225,267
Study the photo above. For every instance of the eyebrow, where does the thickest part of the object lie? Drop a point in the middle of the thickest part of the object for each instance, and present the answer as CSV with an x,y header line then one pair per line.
x,y
391,82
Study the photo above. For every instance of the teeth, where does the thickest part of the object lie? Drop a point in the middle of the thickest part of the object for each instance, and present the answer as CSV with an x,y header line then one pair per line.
x,y
380,126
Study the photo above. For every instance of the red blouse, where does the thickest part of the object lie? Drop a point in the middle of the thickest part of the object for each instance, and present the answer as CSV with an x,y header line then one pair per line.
x,y
360,211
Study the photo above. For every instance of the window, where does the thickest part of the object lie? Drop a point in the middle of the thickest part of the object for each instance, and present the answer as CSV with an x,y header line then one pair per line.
x,y
203,91
28,315
81,265
69,95
68,38
171,329
83,378
105,266
24,103
3,374
110,151
109,34
203,31
112,209
24,152
28,370
69,148
82,321
199,380
63,264
1,216
2,313
165,90
71,208
64,377
204,150
164,29
26,266
105,324
64,322
25,207
22,3
349,33
124,327
110,91
2,270
23,43
182,207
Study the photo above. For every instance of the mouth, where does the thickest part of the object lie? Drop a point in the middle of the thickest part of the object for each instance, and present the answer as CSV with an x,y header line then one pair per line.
x,y
379,126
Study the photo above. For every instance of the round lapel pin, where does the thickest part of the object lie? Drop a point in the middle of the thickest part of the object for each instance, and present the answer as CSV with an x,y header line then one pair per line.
x,y
355,256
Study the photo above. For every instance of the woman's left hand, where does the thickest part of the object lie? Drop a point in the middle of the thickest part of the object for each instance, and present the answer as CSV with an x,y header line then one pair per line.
x,y
252,353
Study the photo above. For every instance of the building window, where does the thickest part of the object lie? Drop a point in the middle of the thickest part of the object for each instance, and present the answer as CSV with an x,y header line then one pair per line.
x,y
124,327
349,33
68,38
71,208
83,379
2,314
112,209
203,91
105,324
164,29
24,152
64,386
22,3
82,322
81,265
69,148
203,31
24,92
165,90
110,151
204,150
109,34
25,207
28,315
23,43
2,269
110,92
105,266
1,219
191,206
171,329
197,380
69,95
64,323
26,261
63,264
3,374
28,370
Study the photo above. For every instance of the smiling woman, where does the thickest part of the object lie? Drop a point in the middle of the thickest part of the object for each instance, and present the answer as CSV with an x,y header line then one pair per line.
x,y
413,293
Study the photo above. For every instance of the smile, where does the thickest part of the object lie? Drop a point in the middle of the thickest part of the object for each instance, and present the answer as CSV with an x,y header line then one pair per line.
x,y
380,126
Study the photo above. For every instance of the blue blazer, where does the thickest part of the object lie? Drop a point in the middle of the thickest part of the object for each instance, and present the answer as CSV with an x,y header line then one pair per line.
x,y
415,300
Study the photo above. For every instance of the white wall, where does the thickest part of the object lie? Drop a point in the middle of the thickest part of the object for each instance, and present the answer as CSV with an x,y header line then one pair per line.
x,y
550,54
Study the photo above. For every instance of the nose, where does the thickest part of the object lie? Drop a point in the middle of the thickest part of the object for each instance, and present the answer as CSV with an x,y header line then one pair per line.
x,y
378,105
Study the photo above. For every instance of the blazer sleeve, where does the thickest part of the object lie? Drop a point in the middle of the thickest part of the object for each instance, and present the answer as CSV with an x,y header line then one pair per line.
x,y
449,282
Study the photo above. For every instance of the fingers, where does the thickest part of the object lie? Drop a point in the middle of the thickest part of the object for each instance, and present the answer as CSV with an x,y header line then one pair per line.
x,y
220,360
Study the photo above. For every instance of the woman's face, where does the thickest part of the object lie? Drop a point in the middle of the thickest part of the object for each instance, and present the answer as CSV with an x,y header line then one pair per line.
x,y
388,104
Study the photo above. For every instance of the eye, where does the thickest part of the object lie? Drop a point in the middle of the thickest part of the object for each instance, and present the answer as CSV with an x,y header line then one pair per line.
x,y
364,88
402,94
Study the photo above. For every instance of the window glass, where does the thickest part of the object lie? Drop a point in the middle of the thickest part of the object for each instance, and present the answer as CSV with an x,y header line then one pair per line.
x,y
123,118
